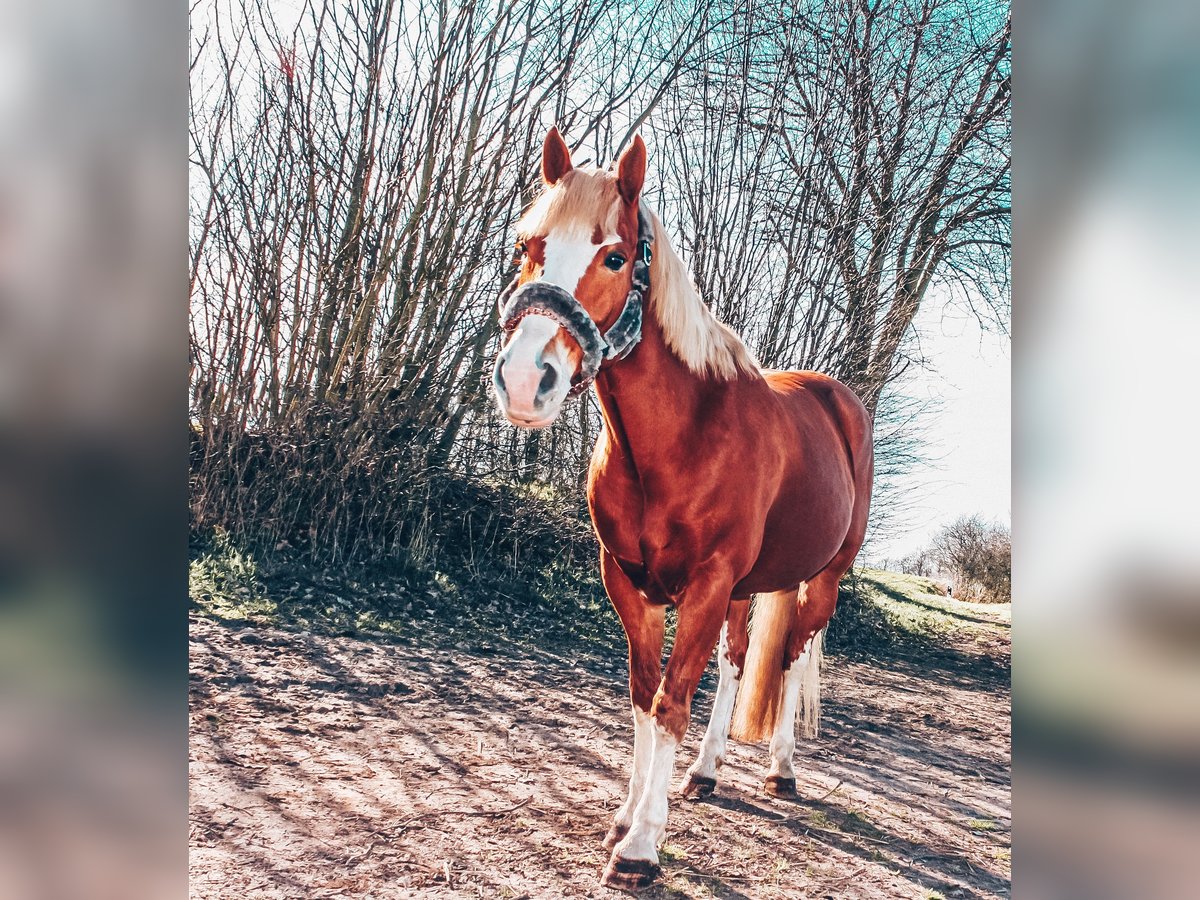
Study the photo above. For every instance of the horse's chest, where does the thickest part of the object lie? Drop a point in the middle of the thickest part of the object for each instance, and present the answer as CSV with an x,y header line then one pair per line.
x,y
648,542
618,508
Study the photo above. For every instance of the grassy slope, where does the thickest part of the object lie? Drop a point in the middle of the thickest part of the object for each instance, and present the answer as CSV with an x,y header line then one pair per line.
x,y
880,613
477,610
918,604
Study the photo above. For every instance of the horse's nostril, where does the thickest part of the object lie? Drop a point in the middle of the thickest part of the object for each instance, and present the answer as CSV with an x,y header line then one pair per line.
x,y
500,378
549,377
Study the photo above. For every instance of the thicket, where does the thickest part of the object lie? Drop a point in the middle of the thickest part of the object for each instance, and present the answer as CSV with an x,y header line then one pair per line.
x,y
355,170
971,554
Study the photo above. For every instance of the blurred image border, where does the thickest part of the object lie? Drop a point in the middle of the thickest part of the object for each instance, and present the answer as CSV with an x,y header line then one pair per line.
x,y
93,486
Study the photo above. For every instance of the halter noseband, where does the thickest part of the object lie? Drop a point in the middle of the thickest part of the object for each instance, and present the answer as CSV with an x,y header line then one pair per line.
x,y
555,303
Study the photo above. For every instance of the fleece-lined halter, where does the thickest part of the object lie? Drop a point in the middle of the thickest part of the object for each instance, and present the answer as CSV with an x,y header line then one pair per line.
x,y
555,303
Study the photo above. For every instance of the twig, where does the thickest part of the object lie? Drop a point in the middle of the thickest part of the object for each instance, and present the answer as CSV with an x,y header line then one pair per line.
x,y
460,812
360,857
832,791
692,873
848,834
496,812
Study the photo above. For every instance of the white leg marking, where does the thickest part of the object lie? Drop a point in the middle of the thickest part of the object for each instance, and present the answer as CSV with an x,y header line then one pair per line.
x,y
650,816
643,754
712,749
783,741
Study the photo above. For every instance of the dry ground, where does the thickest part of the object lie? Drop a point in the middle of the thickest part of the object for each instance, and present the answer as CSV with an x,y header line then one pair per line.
x,y
326,766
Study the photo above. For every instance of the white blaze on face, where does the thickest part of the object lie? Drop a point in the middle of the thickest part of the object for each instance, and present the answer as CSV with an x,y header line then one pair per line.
x,y
567,257
533,377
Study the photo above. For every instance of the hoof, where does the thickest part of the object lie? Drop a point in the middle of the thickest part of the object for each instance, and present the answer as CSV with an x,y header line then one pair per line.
x,y
781,787
630,874
699,787
615,835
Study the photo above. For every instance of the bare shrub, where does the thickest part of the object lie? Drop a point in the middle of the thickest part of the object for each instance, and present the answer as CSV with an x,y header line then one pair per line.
x,y
977,556
355,170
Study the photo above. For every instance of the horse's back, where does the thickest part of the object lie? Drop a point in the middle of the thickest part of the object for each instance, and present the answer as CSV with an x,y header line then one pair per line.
x,y
801,392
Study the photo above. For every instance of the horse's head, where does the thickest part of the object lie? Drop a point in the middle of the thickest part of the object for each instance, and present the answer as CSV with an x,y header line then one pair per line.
x,y
577,299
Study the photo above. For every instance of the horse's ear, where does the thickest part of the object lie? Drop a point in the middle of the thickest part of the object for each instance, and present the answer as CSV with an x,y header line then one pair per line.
x,y
556,158
631,169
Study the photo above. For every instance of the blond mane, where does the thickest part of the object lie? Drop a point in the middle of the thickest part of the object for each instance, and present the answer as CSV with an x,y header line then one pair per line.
x,y
580,201
585,198
704,344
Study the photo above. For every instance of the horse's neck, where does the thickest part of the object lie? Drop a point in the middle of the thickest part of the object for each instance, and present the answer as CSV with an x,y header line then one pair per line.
x,y
650,400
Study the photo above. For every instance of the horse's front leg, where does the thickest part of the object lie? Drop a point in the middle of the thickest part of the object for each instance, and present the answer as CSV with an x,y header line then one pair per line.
x,y
643,623
634,862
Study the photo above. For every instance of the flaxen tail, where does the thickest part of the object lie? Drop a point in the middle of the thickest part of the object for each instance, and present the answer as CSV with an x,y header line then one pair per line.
x,y
756,709
809,713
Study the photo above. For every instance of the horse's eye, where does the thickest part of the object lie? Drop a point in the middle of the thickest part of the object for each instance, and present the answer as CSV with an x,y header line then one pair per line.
x,y
614,261
519,252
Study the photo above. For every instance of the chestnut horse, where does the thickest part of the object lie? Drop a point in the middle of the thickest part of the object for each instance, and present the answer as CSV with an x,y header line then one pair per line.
x,y
711,481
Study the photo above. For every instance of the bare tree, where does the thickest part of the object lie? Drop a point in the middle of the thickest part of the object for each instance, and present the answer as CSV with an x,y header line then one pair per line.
x,y
977,556
834,163
830,164
919,562
356,169
355,172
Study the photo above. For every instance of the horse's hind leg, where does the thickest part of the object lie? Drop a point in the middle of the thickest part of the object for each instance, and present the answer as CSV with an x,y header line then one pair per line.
x,y
731,657
801,690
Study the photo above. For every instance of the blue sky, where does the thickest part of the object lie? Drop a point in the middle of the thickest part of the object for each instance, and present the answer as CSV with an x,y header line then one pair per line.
x,y
968,434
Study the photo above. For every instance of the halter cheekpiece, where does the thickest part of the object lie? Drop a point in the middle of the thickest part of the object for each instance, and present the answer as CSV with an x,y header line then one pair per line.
x,y
555,303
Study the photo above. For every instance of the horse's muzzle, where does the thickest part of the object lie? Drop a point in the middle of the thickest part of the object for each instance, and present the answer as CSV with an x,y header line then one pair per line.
x,y
531,377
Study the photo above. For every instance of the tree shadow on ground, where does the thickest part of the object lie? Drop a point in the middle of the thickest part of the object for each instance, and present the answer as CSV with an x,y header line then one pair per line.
x,y
363,765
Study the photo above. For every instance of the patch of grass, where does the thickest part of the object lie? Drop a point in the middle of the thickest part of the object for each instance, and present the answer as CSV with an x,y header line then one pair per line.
x,y
819,819
934,895
879,610
1001,854
223,580
675,886
982,825
671,853
918,604
469,608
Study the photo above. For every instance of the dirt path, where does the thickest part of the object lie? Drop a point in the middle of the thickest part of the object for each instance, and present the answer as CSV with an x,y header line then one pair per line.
x,y
340,767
